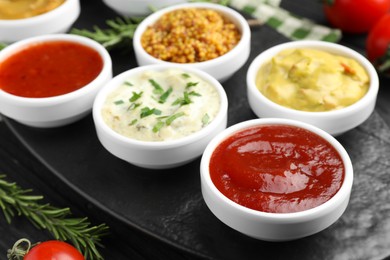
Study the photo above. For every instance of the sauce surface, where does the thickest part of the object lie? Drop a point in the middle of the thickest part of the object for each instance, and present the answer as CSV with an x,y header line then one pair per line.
x,y
20,9
312,80
161,105
190,35
49,69
277,168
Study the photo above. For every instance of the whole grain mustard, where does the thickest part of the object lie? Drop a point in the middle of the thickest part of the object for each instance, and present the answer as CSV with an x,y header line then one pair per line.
x,y
190,35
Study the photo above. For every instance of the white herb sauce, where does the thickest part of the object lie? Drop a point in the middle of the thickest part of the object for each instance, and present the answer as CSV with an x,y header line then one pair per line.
x,y
161,105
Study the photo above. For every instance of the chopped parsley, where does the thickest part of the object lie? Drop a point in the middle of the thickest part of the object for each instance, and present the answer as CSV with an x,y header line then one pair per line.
x,y
173,117
136,96
191,84
128,83
165,95
146,111
133,122
205,120
193,93
119,102
158,126
157,88
186,75
133,106
168,121
182,101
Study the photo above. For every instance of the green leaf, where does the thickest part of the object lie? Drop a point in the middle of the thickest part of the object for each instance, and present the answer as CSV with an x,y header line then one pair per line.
x,y
158,126
205,120
136,96
157,88
119,102
165,95
55,220
191,84
173,117
146,111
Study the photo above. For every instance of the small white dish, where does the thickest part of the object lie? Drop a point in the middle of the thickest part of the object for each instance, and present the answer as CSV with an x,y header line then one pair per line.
x,y
158,154
139,8
58,110
274,226
58,20
222,67
334,122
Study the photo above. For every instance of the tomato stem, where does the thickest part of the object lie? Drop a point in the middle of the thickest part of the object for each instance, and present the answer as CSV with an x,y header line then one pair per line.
x,y
384,64
329,2
19,250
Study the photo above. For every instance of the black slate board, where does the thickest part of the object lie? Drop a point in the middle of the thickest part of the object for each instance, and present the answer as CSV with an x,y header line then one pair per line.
x,y
168,204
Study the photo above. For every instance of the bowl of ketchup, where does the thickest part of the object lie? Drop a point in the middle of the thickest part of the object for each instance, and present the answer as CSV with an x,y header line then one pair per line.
x,y
52,80
276,179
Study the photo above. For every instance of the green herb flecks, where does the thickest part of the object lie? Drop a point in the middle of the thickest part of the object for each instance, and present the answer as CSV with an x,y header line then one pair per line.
x,y
128,83
136,96
173,117
193,93
168,121
157,88
205,120
146,111
182,101
133,122
158,126
191,84
119,102
14,201
186,75
119,33
133,106
165,95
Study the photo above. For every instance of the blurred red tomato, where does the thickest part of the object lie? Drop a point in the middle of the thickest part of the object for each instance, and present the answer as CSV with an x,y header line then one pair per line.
x,y
378,43
53,249
355,16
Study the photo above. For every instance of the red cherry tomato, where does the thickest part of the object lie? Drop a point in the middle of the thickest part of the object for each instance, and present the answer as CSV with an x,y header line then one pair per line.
x,y
378,44
50,250
355,16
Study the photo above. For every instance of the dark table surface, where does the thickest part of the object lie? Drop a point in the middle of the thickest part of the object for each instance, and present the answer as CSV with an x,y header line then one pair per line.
x,y
129,242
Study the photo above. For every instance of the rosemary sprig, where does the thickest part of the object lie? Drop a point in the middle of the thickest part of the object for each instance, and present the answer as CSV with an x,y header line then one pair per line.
x,y
119,33
16,201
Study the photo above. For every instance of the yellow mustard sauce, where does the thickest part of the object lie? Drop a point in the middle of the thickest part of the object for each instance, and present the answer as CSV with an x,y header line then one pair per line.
x,y
20,9
312,80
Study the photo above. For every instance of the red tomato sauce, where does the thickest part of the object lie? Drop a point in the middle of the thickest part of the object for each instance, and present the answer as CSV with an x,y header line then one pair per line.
x,y
49,69
277,168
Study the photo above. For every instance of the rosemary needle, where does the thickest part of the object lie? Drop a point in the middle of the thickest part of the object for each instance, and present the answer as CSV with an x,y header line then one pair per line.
x,y
16,201
120,31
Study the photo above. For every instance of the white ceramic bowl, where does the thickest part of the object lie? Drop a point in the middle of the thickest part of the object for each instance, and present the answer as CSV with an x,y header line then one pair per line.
x,y
158,154
334,122
274,226
138,8
58,20
222,67
57,110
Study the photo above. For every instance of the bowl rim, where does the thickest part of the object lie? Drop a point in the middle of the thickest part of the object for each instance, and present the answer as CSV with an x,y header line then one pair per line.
x,y
44,101
319,45
117,80
38,19
230,13
319,210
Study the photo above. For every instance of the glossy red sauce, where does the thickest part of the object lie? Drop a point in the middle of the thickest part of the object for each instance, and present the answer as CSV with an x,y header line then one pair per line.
x,y
49,69
275,168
